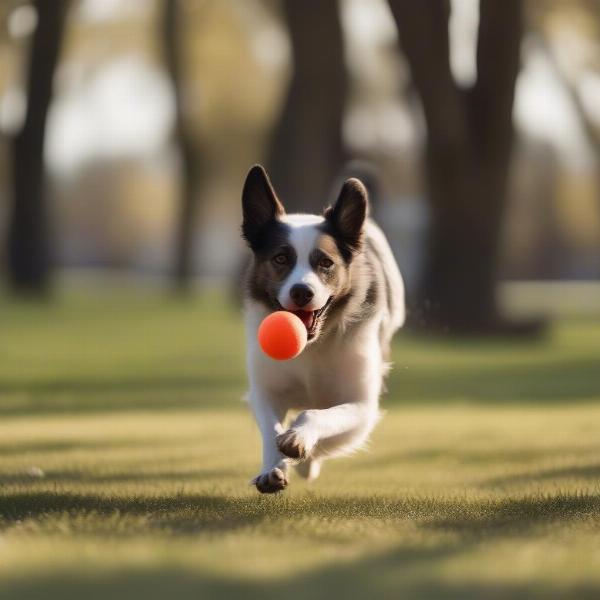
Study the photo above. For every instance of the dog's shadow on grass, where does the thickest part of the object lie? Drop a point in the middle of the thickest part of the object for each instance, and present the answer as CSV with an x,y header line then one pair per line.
x,y
400,572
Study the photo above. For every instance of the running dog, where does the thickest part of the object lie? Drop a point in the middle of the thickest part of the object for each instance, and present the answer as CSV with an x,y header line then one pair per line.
x,y
337,273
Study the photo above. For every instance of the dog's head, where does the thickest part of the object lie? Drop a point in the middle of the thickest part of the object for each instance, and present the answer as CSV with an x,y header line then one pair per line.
x,y
302,263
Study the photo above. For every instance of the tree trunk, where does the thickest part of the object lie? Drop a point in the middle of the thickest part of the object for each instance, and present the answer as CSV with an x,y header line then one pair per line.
x,y
307,152
188,185
28,254
469,139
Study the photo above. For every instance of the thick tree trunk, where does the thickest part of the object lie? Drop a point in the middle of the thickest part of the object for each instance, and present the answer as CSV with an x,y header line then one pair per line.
x,y
306,151
188,185
29,257
469,138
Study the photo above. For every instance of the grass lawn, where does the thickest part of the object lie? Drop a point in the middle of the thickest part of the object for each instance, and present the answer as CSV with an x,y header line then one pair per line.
x,y
125,456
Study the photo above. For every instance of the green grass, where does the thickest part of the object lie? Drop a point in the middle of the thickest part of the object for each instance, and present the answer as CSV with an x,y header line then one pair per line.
x,y
125,455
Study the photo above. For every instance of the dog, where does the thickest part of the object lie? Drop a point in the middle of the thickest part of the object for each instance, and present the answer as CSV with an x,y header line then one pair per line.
x,y
337,273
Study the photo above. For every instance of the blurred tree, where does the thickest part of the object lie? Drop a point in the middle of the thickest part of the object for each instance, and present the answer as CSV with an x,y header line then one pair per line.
x,y
307,150
571,78
28,236
184,237
468,149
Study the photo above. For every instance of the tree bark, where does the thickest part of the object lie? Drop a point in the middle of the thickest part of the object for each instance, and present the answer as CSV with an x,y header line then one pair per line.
x,y
188,185
468,148
306,152
29,259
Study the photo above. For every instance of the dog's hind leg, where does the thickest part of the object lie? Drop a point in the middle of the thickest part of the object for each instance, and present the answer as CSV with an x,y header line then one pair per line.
x,y
309,469
343,444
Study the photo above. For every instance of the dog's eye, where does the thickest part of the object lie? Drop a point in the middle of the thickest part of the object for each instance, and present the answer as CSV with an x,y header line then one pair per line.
x,y
280,259
326,263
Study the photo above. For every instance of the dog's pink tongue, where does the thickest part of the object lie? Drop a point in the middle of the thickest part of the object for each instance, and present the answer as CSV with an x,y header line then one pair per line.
x,y
306,316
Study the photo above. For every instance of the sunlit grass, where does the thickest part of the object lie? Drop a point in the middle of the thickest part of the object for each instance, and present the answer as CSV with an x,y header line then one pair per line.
x,y
125,455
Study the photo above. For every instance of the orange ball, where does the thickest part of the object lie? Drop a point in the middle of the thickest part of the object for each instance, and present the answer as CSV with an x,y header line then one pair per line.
x,y
282,335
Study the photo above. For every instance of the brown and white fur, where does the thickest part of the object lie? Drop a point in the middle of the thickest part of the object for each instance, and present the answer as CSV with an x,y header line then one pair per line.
x,y
338,274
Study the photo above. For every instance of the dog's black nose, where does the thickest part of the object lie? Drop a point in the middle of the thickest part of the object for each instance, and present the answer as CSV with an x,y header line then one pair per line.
x,y
301,294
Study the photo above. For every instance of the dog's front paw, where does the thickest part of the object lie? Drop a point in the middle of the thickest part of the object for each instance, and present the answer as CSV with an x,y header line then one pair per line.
x,y
292,444
270,482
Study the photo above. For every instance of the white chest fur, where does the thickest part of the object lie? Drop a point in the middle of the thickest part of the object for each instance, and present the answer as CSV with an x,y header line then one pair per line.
x,y
330,372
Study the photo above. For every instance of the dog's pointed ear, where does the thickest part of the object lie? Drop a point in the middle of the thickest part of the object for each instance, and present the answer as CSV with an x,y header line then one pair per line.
x,y
348,215
260,206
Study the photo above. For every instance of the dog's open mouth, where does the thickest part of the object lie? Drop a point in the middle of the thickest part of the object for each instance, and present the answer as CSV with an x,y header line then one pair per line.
x,y
311,318
308,317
